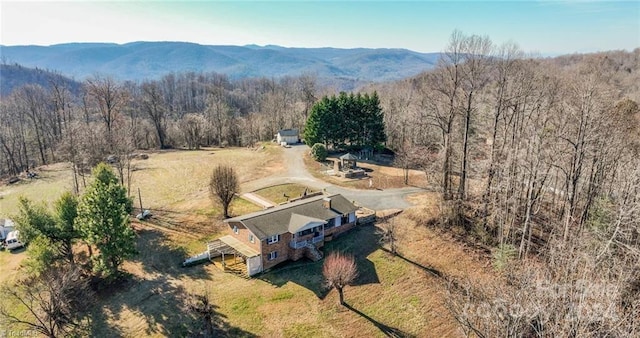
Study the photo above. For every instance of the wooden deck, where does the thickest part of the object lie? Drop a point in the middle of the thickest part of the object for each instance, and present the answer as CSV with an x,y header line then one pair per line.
x,y
232,264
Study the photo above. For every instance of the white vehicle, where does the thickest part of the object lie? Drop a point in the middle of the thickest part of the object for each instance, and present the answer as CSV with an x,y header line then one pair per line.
x,y
144,215
6,226
12,241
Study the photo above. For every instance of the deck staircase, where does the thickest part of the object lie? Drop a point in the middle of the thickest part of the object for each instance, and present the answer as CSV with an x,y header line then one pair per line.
x,y
313,253
231,266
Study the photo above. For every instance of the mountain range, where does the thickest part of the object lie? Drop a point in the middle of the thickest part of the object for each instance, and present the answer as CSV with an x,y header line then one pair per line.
x,y
152,60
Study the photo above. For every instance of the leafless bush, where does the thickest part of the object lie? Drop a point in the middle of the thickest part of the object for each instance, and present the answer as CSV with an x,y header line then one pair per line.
x,y
54,302
339,270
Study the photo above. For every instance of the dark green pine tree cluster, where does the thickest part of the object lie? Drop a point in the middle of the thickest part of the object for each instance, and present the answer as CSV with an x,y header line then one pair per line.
x,y
348,121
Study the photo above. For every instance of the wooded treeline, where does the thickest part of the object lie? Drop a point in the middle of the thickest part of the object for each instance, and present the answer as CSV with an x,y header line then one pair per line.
x,y
537,160
520,142
41,125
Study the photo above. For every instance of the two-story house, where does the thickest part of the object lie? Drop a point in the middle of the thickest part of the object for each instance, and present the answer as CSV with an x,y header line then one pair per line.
x,y
286,232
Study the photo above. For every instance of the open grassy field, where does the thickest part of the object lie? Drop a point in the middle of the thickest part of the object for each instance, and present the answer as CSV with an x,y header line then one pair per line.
x,y
393,295
51,182
174,180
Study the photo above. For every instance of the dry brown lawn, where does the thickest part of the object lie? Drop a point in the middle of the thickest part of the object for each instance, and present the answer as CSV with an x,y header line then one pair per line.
x,y
394,295
52,181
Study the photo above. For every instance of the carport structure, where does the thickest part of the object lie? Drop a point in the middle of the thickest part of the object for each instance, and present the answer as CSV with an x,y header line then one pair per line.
x,y
230,246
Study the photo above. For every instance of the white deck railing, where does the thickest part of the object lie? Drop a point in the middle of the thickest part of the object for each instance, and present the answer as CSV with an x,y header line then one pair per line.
x,y
302,244
298,245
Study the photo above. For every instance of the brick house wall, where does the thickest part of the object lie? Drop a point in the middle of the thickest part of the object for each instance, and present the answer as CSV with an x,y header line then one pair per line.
x,y
337,230
243,235
282,247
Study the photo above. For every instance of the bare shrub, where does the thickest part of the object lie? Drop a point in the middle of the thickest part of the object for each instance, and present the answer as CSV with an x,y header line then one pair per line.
x,y
339,270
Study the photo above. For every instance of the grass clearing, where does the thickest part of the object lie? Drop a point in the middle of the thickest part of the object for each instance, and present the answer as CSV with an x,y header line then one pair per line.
x,y
52,181
282,193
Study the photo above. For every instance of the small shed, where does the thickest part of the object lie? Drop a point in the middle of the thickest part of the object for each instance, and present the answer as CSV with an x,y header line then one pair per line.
x,y
290,136
348,161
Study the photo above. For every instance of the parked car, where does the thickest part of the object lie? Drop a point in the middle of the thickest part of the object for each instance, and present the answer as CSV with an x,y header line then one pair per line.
x,y
13,242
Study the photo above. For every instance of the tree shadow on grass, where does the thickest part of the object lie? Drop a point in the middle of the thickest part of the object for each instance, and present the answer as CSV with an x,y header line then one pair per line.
x,y
154,301
387,330
158,254
152,306
432,271
360,242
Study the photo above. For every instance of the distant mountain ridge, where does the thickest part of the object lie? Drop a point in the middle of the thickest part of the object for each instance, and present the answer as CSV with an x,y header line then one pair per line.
x,y
13,76
151,60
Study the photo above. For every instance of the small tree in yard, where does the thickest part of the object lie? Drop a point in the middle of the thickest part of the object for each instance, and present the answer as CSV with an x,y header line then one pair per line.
x,y
50,235
223,186
202,307
339,270
387,233
319,152
103,221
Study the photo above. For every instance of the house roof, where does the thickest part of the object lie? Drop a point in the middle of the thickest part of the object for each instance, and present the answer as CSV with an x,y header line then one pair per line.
x,y
348,156
238,246
288,132
300,222
277,220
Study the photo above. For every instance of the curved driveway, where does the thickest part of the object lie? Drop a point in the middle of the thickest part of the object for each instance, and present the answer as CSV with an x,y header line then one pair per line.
x,y
297,173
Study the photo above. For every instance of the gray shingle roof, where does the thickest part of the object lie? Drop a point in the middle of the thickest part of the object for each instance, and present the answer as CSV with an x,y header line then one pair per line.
x,y
288,132
348,156
276,221
300,223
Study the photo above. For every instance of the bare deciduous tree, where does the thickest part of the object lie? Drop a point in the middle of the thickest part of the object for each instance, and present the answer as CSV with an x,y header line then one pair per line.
x,y
109,97
153,105
55,302
205,310
339,270
223,186
192,127
388,235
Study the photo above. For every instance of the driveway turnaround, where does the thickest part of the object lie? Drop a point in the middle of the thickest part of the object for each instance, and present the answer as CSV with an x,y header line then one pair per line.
x,y
297,173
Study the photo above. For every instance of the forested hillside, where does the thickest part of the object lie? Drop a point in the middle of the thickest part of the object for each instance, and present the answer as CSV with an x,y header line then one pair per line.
x,y
537,160
137,61
15,76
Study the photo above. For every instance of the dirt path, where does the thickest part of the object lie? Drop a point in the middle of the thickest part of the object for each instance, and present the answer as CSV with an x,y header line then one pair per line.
x,y
257,199
297,173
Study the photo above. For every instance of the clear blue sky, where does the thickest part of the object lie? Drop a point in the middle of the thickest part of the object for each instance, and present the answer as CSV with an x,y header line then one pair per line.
x,y
545,27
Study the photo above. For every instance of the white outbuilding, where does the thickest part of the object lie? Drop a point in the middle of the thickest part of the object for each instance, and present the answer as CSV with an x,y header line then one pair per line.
x,y
289,136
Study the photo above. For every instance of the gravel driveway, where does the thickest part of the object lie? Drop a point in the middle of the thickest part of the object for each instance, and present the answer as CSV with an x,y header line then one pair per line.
x,y
297,173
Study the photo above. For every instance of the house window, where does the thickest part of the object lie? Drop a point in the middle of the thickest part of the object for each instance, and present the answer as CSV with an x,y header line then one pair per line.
x,y
272,255
251,238
273,239
235,229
